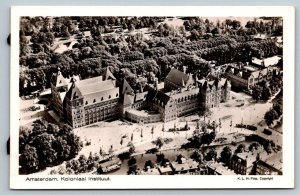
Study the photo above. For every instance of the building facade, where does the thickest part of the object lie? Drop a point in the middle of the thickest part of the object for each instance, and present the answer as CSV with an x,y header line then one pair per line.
x,y
246,77
59,87
84,102
91,100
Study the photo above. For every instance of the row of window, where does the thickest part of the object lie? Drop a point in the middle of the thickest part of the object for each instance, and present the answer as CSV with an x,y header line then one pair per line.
x,y
101,99
101,105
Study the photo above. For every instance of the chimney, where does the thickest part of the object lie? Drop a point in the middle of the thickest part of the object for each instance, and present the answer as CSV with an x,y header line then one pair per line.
x,y
156,84
58,71
141,89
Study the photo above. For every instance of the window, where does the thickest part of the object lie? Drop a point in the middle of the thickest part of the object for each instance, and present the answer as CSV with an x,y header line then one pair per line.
x,y
101,98
117,95
86,102
109,96
94,101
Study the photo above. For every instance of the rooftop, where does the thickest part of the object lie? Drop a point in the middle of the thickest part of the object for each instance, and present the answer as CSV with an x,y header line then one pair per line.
x,y
219,168
271,61
186,165
179,78
153,171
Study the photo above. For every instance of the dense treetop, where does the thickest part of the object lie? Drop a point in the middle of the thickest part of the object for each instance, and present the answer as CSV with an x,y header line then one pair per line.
x,y
136,47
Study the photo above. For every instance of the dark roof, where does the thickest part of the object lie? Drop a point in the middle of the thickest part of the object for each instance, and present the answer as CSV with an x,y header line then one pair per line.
x,y
204,84
179,78
126,88
238,72
57,79
155,95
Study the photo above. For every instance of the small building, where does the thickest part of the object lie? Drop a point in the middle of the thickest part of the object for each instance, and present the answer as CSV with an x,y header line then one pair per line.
x,y
243,163
185,166
110,165
266,62
215,168
246,77
270,166
149,171
165,170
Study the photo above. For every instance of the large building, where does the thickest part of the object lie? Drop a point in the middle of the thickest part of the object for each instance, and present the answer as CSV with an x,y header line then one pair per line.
x,y
91,100
247,76
181,95
59,87
84,102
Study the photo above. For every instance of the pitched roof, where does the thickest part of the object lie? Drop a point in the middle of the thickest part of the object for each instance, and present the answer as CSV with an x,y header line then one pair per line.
x,y
179,78
187,165
58,79
126,88
140,96
204,84
219,168
128,99
185,93
108,75
267,61
93,90
155,95
275,161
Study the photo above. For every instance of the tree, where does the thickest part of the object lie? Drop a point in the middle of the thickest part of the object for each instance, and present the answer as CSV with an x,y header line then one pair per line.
x,y
101,152
270,116
159,142
152,131
148,163
131,161
141,135
197,156
28,160
111,151
240,148
131,147
211,155
48,143
226,155
163,130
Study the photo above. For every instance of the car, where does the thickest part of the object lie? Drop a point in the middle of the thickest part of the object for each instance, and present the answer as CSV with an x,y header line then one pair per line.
x,y
152,151
267,132
251,127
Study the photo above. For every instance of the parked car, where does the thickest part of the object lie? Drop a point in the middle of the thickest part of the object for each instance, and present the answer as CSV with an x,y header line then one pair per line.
x,y
251,127
267,132
152,151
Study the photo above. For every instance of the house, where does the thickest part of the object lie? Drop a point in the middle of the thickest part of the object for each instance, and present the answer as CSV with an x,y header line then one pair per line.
x,y
185,166
243,163
270,166
215,168
246,77
110,165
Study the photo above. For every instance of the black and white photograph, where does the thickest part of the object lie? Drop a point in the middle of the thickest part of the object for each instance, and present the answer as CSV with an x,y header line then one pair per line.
x,y
169,93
